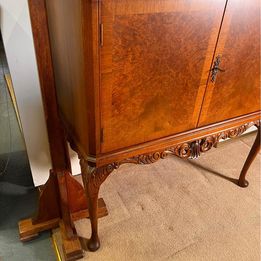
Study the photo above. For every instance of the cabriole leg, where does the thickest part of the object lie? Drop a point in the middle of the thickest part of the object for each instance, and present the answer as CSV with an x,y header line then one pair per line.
x,y
94,242
242,182
93,177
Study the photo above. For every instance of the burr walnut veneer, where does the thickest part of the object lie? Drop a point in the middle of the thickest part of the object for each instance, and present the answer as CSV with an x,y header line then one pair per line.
x,y
137,81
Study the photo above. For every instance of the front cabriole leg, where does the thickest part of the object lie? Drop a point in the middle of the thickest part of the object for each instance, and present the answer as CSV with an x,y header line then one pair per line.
x,y
242,182
93,177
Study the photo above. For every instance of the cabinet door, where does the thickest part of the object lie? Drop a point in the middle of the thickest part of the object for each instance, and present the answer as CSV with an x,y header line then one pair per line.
x,y
155,60
236,91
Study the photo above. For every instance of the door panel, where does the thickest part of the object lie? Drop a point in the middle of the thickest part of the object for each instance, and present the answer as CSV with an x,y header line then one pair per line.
x,y
236,91
155,62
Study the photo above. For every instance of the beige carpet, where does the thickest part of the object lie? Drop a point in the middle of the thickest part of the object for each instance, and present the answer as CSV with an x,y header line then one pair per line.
x,y
182,210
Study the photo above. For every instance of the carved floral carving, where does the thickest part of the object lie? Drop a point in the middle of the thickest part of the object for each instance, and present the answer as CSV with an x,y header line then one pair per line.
x,y
191,149
93,177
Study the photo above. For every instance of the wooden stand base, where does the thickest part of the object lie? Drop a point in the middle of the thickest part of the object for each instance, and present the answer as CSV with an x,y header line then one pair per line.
x,y
102,211
28,231
72,249
66,250
48,216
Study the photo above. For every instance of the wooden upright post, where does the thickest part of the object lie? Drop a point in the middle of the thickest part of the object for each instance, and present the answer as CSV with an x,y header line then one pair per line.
x,y
62,199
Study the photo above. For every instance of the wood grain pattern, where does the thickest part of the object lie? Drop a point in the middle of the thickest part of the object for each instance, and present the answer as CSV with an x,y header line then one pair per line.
x,y
170,141
58,146
65,36
237,90
143,70
48,193
62,195
148,61
29,231
190,149
57,142
72,249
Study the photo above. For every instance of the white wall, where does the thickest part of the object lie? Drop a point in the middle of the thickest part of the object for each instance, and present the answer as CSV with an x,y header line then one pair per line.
x,y
18,42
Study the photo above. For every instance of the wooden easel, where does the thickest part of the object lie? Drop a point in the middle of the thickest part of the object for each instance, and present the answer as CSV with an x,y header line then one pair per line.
x,y
62,199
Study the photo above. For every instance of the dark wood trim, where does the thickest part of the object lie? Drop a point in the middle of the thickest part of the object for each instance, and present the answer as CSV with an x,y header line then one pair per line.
x,y
177,139
57,143
163,143
91,42
58,148
191,148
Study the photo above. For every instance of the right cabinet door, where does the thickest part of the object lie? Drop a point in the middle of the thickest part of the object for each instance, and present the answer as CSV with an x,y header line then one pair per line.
x,y
234,87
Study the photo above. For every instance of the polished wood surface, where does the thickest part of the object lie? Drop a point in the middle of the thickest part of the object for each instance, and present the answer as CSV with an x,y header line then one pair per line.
x,y
152,83
58,146
57,142
146,49
242,182
29,231
68,65
237,90
48,193
163,143
73,29
72,249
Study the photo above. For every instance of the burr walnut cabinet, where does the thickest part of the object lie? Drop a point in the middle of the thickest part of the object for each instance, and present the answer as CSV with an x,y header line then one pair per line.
x,y
137,81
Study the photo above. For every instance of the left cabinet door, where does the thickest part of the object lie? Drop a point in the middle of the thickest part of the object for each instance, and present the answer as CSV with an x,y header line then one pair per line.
x,y
155,60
